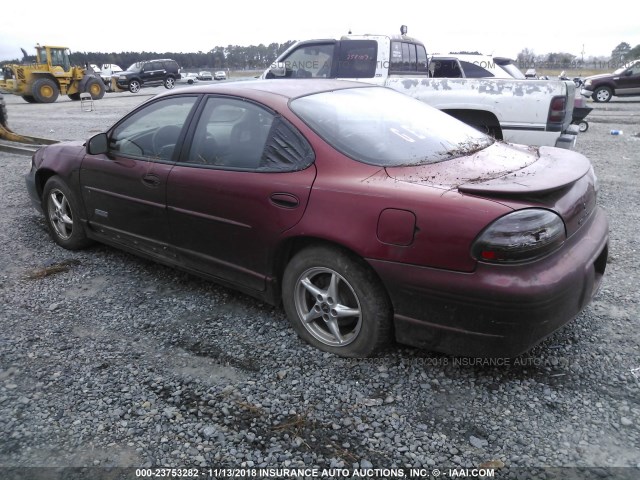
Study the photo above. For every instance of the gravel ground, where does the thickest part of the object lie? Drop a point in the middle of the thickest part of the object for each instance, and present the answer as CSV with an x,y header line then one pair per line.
x,y
107,360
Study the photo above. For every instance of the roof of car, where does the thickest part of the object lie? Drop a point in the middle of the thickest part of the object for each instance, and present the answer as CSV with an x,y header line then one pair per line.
x,y
289,88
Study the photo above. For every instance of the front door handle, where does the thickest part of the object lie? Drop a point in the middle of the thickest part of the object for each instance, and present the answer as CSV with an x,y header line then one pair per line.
x,y
151,180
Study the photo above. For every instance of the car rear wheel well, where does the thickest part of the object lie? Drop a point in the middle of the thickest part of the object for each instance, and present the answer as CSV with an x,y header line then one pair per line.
x,y
294,245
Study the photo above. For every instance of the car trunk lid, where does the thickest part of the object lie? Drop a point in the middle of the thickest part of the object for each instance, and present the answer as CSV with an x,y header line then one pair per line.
x,y
516,176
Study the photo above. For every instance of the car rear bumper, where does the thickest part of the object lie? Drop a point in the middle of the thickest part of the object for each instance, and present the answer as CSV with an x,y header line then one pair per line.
x,y
568,138
497,310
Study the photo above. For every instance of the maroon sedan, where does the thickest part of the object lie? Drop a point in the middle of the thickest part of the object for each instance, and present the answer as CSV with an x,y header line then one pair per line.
x,y
368,214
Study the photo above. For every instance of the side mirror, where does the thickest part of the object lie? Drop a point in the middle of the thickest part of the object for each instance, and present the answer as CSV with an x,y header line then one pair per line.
x,y
98,144
278,69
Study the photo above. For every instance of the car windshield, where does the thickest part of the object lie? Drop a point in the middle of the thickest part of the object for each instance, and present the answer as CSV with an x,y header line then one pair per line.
x,y
378,126
135,67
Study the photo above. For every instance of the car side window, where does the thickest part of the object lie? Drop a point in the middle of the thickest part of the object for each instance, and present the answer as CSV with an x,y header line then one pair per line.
x,y
238,135
407,57
445,68
357,59
309,61
473,70
153,131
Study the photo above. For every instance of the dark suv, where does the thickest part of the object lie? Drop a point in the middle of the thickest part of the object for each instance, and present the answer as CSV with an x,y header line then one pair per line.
x,y
624,82
149,73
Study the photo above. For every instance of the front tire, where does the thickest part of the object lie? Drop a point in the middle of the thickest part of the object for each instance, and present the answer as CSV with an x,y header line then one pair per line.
x,y
95,88
602,94
45,90
336,303
134,86
63,215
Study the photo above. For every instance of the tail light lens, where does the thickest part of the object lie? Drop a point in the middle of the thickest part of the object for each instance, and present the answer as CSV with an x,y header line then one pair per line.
x,y
557,112
520,236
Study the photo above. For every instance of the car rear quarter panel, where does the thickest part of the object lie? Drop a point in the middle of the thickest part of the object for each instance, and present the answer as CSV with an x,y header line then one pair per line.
x,y
349,198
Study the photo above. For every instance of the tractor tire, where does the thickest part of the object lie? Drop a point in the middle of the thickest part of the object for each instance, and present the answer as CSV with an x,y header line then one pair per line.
x,y
95,87
45,90
29,99
4,118
74,96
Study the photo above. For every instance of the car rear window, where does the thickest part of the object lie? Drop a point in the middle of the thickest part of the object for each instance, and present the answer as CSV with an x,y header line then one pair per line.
x,y
382,127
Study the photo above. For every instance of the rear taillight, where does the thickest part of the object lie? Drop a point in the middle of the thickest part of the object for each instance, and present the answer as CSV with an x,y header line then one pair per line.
x,y
557,112
520,236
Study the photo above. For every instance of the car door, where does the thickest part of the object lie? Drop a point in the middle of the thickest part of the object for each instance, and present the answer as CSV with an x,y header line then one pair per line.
x,y
245,180
629,82
124,190
152,73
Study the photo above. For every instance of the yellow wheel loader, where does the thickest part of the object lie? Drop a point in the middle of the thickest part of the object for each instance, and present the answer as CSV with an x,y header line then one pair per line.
x,y
51,75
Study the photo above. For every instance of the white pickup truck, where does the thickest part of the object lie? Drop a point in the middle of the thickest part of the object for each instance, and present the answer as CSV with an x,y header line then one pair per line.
x,y
530,112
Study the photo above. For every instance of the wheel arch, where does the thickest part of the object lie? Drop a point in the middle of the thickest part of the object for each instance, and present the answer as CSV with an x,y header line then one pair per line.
x,y
293,245
42,176
37,76
69,177
608,84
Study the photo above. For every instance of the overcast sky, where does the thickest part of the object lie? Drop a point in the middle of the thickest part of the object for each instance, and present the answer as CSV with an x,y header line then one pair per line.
x,y
492,27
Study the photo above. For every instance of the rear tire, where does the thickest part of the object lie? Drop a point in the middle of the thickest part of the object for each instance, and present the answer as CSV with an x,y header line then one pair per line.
x,y
169,82
583,126
74,96
45,90
29,99
336,303
63,215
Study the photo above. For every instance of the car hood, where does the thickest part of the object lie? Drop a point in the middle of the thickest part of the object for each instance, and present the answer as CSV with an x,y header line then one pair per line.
x,y
598,77
501,169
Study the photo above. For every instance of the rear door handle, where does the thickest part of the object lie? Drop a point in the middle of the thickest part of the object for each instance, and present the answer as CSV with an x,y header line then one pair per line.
x,y
284,200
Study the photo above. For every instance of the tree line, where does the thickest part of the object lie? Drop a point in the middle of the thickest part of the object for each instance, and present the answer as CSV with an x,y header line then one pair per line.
x,y
233,57
620,56
259,57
